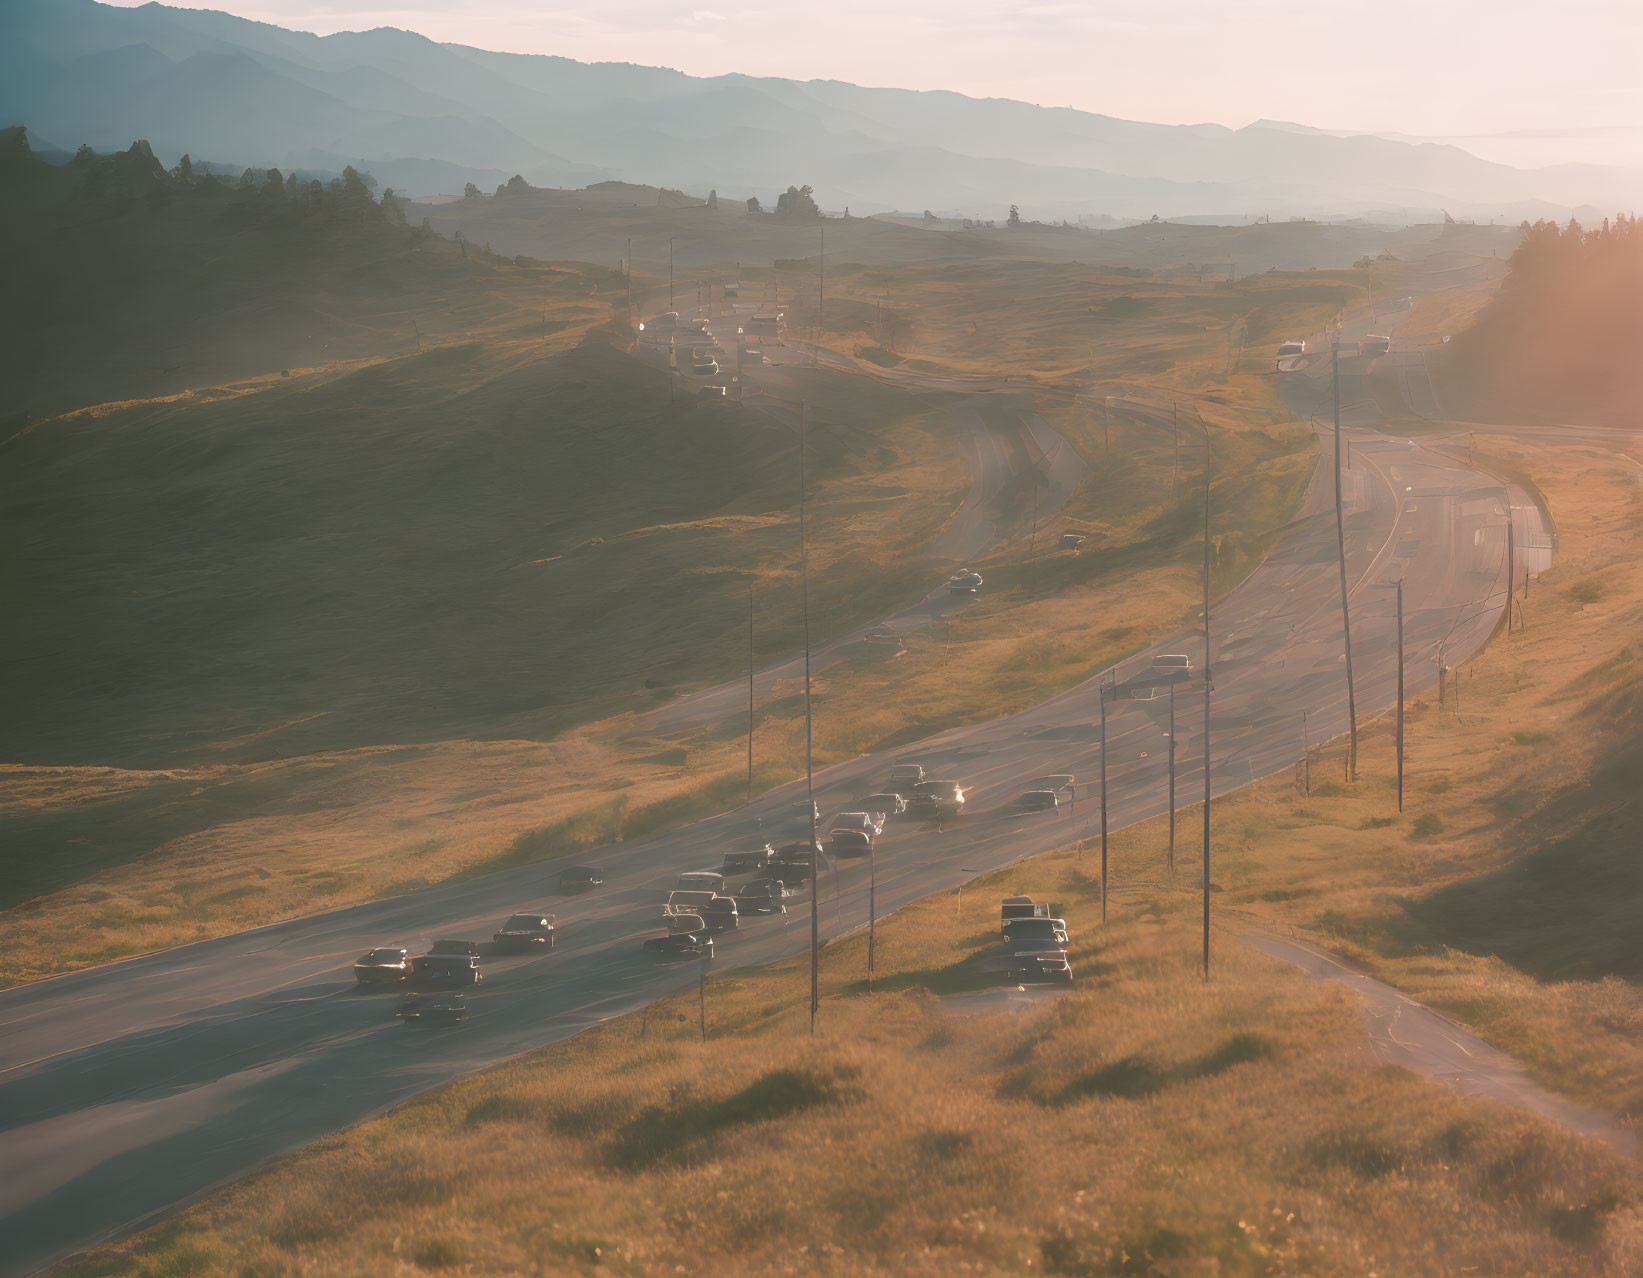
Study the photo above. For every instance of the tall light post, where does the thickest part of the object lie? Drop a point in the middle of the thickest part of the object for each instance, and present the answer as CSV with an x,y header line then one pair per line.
x,y
1400,694
670,273
1340,547
809,774
751,579
1172,780
1208,683
1103,798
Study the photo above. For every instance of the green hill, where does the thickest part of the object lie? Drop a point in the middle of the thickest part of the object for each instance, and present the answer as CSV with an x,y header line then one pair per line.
x,y
124,280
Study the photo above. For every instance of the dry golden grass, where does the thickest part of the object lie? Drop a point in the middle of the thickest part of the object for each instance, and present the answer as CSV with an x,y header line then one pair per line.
x,y
1146,1122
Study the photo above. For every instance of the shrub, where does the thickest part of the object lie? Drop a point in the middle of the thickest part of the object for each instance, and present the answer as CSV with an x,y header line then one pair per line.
x,y
1426,825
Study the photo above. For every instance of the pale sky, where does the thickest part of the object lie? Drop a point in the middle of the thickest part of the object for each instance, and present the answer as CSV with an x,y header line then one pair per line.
x,y
1430,67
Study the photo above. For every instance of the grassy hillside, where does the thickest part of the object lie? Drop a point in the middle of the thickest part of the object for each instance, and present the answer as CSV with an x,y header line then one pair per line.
x,y
123,280
1560,342
476,541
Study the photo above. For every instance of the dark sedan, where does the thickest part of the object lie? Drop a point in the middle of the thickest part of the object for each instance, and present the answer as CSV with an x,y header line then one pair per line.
x,y
764,896
433,972
681,945
432,1009
525,932
385,966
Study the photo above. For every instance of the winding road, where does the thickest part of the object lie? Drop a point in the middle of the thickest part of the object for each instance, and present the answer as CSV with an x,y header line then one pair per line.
x,y
128,1089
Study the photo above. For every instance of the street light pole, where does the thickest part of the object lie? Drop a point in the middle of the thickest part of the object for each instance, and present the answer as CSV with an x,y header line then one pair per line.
x,y
1106,425
1207,684
872,906
1172,780
1103,799
750,690
670,273
1400,694
809,774
1340,547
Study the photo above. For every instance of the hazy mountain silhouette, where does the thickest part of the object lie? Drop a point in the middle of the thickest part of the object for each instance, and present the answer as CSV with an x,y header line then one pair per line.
x,y
246,92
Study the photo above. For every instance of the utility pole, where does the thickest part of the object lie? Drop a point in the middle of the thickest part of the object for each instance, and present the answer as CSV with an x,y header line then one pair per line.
x,y
1103,798
1340,547
1400,694
1172,780
1106,425
809,775
630,281
1442,678
872,906
1032,552
1306,757
670,273
750,690
1510,561
1175,434
821,280
1207,683
701,996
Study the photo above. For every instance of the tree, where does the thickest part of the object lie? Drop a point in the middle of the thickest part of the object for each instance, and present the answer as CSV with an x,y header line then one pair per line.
x,y
1014,219
930,217
517,185
753,205
185,170
248,181
393,206
275,185
470,192
713,200
797,202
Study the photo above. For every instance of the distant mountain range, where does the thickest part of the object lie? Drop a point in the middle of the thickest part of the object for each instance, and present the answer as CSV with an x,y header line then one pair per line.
x,y
426,118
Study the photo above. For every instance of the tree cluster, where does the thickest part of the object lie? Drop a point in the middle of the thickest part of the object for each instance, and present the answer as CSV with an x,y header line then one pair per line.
x,y
1561,340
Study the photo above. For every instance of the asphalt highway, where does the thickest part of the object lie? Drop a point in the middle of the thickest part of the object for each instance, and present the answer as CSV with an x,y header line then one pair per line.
x,y
127,1089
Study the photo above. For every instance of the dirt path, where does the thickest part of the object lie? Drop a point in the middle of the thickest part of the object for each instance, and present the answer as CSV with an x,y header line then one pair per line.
x,y
1404,1032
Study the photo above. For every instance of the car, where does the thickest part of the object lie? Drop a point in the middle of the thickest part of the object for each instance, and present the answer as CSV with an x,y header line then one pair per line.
x,y
905,776
711,392
937,798
881,634
461,949
1296,347
686,901
805,810
525,932
850,843
579,878
680,945
1072,541
701,881
776,886
872,823
1020,907
762,896
384,965
1035,929
433,972
1374,344
1036,801
1036,945
747,860
887,803
721,914
705,368
432,1009
1172,665
1043,969
797,861
964,582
